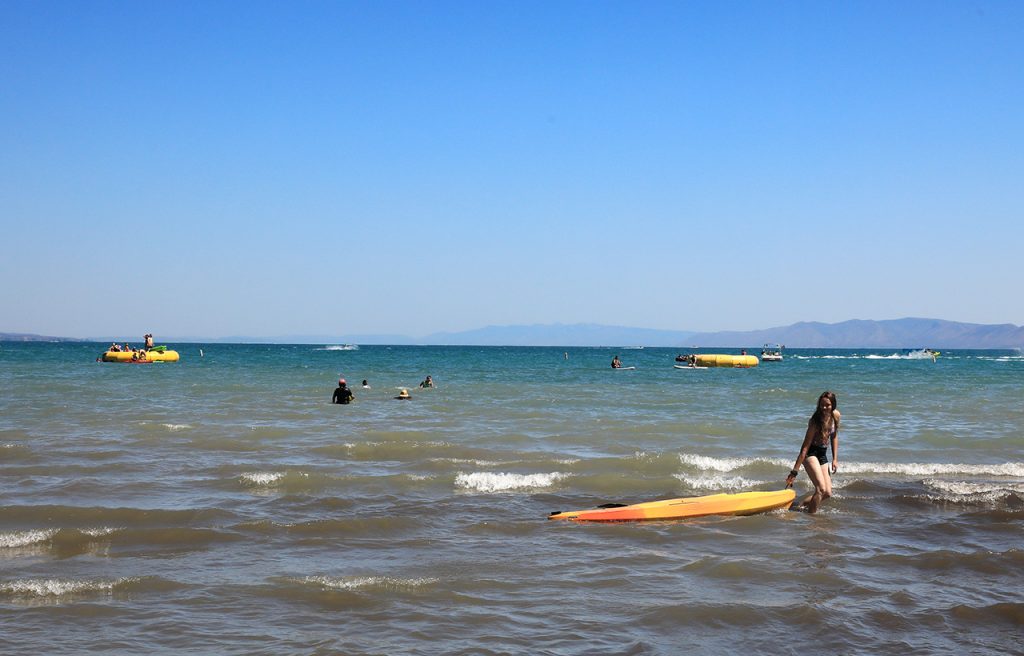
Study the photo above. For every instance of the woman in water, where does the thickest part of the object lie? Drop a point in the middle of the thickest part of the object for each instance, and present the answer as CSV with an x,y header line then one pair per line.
x,y
822,428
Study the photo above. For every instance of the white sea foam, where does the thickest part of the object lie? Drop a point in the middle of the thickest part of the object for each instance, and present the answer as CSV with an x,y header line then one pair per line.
x,y
340,347
913,355
719,464
176,427
261,478
966,488
60,587
504,482
718,483
25,538
725,465
364,582
101,531
1015,469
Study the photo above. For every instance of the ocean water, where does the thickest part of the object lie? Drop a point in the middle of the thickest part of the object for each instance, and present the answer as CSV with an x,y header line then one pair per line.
x,y
223,505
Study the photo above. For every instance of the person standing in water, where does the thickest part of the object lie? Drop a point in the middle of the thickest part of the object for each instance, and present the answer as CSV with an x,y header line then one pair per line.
x,y
822,429
342,394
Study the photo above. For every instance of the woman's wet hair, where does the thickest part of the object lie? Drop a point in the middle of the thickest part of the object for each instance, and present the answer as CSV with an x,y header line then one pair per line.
x,y
819,417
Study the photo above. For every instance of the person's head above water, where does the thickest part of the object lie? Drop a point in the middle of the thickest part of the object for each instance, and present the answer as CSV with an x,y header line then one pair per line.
x,y
341,381
404,394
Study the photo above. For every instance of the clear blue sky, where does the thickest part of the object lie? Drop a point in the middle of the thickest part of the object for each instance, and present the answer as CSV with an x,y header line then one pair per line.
x,y
271,168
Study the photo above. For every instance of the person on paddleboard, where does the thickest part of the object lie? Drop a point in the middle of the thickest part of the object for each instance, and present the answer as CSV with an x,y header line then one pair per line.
x,y
342,394
822,429
616,363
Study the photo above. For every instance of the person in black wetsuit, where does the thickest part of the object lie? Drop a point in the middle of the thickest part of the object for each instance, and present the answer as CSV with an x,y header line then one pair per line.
x,y
342,394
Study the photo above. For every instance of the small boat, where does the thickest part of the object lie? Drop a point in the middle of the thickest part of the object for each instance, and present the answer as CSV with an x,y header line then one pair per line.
x,y
771,353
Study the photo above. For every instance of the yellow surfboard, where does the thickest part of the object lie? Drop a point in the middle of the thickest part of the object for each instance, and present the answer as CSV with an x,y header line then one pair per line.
x,y
742,503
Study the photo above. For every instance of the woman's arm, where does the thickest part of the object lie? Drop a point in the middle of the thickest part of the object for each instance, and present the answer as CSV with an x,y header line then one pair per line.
x,y
835,441
808,436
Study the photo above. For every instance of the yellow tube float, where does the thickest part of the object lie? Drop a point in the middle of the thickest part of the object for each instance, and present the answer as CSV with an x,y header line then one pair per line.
x,y
722,360
140,356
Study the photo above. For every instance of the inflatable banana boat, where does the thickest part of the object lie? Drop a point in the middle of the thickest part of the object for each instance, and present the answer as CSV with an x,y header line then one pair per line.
x,y
720,360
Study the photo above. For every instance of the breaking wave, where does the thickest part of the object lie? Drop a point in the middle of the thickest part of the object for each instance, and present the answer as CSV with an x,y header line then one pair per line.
x,y
62,587
505,482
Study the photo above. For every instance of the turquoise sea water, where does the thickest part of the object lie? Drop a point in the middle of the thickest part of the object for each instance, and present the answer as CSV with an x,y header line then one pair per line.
x,y
223,505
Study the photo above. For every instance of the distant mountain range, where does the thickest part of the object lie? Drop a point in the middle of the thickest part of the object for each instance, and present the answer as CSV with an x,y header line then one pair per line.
x,y
580,334
894,333
31,337
856,333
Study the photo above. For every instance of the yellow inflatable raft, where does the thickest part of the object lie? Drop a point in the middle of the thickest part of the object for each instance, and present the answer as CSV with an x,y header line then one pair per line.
x,y
721,360
140,356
